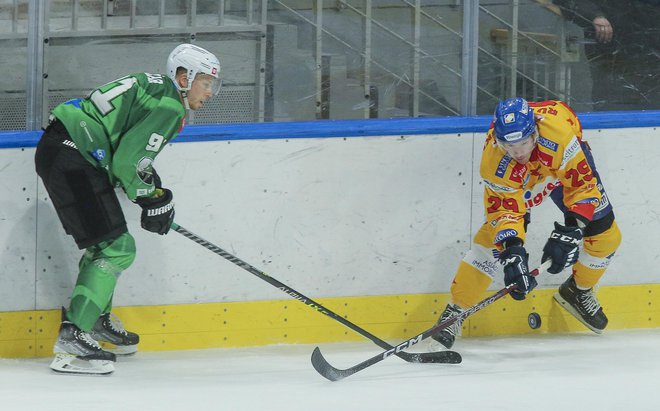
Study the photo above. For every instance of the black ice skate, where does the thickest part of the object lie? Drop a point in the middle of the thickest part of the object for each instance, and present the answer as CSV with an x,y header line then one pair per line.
x,y
77,353
447,336
582,304
109,329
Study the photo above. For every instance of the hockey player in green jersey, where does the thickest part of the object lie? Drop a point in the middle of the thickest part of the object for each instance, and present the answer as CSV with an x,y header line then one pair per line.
x,y
92,146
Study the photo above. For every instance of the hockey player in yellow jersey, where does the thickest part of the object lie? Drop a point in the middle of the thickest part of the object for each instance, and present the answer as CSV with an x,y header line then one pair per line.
x,y
534,151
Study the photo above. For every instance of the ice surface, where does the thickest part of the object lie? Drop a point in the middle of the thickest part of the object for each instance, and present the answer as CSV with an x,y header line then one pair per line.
x,y
619,370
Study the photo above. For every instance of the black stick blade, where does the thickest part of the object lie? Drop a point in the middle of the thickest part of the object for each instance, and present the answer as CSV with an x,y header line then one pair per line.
x,y
323,367
438,357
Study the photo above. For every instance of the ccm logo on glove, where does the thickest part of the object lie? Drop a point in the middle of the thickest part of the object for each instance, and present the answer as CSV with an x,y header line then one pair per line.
x,y
564,238
562,247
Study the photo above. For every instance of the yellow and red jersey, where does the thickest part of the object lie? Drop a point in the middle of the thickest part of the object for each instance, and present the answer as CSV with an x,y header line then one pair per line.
x,y
558,162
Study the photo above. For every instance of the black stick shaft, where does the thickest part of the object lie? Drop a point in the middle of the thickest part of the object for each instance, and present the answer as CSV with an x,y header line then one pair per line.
x,y
421,357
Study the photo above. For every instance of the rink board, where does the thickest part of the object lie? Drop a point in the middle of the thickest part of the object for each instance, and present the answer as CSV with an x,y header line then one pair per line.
x,y
330,217
370,219
394,318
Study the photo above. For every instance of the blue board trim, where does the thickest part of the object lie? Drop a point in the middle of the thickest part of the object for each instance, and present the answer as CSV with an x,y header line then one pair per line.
x,y
359,128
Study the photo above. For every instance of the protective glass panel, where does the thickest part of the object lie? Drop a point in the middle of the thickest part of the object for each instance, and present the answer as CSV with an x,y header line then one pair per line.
x,y
293,60
13,61
563,50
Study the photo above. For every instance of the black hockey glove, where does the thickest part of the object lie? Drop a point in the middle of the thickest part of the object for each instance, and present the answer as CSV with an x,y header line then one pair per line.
x,y
563,247
516,271
157,212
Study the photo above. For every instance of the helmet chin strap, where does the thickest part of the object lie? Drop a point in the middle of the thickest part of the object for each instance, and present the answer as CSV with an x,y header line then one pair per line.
x,y
184,95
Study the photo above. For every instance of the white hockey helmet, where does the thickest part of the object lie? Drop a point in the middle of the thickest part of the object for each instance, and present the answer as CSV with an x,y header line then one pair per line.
x,y
197,61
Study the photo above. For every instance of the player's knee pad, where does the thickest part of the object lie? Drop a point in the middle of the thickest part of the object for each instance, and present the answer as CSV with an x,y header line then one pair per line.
x,y
115,255
596,256
598,250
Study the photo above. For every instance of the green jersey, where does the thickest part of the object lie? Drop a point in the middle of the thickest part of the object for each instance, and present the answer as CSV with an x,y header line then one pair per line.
x,y
121,127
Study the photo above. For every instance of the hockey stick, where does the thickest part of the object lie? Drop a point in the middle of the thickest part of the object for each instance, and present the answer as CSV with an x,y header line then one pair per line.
x,y
431,357
334,374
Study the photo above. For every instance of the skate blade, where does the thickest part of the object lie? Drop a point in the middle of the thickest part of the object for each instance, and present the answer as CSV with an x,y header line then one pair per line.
x,y
70,364
574,313
124,350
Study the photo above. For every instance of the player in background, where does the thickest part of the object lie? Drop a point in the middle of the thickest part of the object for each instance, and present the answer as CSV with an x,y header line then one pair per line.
x,y
92,146
534,151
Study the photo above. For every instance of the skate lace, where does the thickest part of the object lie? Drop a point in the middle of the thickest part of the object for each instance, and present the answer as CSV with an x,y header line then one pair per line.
x,y
87,339
116,325
448,314
589,302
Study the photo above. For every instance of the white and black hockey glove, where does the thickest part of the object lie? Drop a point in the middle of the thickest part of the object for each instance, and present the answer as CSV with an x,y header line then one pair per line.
x,y
516,271
563,247
157,212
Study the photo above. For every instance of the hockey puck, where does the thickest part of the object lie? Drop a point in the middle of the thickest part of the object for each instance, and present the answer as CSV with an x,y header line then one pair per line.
x,y
534,320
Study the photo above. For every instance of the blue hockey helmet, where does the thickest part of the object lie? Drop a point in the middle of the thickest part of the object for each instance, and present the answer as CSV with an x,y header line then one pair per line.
x,y
514,121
